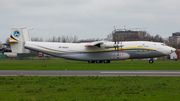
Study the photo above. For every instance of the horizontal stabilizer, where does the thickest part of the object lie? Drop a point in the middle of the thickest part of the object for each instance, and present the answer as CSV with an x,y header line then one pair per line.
x,y
12,42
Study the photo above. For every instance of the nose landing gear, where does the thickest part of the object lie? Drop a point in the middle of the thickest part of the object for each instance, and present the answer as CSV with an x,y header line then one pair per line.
x,y
151,61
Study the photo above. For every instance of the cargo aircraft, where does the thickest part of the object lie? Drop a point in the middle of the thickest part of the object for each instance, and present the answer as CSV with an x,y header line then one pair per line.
x,y
99,51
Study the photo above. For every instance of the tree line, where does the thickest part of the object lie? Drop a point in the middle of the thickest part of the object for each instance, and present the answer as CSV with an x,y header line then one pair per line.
x,y
63,39
142,36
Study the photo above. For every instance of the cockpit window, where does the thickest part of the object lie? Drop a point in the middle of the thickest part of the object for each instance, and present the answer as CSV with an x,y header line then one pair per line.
x,y
163,44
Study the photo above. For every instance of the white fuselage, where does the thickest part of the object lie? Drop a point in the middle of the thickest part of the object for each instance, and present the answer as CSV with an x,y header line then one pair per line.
x,y
105,51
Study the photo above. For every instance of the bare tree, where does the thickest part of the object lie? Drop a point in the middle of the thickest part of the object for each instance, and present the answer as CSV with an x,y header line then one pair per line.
x,y
67,39
59,39
109,37
166,41
75,39
63,39
158,38
36,39
7,40
54,39
48,40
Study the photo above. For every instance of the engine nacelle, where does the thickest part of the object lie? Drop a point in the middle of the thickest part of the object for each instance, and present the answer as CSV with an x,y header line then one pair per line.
x,y
110,45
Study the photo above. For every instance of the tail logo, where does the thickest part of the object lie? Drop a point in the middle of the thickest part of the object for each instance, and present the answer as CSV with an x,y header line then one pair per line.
x,y
16,33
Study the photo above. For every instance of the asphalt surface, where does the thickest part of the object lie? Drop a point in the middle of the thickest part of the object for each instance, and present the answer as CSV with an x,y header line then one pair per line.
x,y
88,73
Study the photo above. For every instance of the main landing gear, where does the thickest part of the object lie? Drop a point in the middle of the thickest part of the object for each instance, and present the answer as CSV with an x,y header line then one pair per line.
x,y
91,61
106,61
99,61
151,61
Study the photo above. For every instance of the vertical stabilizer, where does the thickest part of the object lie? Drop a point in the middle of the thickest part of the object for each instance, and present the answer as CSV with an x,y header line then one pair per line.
x,y
17,40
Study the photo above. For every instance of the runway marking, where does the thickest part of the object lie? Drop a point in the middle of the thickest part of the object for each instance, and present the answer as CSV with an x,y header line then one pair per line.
x,y
137,72
89,73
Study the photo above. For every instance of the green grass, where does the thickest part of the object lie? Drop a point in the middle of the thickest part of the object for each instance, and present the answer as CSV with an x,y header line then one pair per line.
x,y
58,88
135,88
61,64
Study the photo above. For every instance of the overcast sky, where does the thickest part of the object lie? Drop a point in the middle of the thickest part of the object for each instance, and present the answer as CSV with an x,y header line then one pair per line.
x,y
88,18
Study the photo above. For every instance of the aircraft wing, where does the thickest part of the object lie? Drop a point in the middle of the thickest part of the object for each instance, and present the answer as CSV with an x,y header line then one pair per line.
x,y
96,43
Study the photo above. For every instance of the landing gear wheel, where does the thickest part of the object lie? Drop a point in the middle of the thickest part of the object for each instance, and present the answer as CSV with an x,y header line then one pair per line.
x,y
91,61
98,61
106,61
151,61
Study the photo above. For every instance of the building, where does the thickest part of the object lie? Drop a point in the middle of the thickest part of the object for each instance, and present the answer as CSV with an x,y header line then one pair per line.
x,y
127,35
178,54
175,38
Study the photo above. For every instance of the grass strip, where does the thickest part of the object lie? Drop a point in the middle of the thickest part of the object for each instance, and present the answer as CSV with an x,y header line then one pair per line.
x,y
28,88
61,64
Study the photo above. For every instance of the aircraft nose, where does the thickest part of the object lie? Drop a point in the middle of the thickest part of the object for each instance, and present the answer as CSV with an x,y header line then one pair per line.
x,y
173,50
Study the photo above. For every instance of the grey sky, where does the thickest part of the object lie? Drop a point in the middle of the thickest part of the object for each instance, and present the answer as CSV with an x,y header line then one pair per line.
x,y
88,18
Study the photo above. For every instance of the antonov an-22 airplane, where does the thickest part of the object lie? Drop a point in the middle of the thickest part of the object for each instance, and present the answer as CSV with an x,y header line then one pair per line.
x,y
99,51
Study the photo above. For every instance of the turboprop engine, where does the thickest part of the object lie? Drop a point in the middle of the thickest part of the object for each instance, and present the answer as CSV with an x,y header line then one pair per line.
x,y
110,45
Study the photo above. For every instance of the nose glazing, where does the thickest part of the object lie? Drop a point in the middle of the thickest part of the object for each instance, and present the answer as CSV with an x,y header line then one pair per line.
x,y
173,50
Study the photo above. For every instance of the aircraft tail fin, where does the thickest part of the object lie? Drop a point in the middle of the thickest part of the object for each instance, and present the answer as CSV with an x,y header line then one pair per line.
x,y
17,40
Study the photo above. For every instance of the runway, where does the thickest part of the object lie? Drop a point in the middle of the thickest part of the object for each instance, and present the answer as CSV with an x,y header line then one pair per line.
x,y
88,73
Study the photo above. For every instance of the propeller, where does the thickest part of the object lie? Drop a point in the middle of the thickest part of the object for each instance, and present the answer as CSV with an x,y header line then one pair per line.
x,y
116,44
114,37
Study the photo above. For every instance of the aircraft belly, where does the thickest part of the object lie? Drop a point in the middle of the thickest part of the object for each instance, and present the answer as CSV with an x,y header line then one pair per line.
x,y
85,56
97,56
144,54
